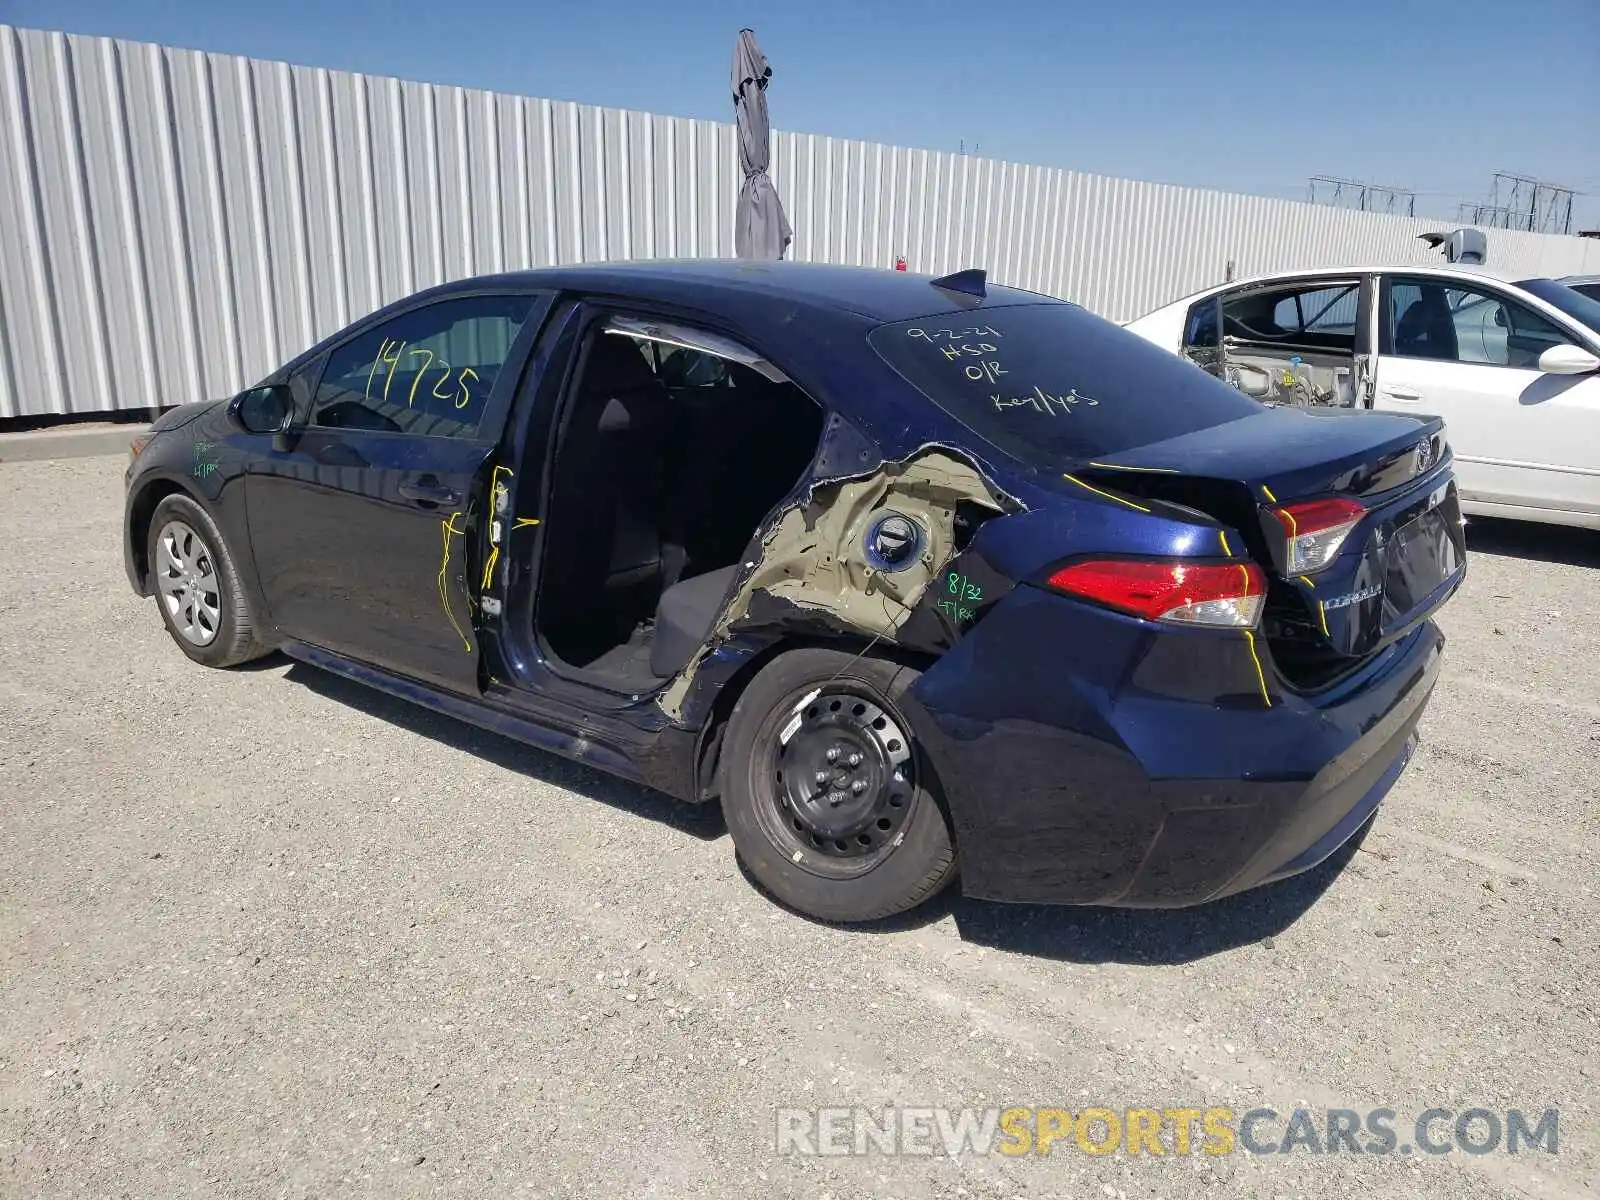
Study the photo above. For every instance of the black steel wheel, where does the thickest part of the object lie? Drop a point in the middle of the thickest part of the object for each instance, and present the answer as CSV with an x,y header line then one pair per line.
x,y
843,781
825,792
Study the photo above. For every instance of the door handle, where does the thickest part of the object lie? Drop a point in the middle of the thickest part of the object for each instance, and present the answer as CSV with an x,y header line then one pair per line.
x,y
1402,394
428,491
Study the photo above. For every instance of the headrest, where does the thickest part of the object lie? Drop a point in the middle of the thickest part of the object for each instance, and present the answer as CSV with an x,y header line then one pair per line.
x,y
615,364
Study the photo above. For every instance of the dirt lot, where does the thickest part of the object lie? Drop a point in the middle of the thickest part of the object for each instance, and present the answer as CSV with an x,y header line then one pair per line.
x,y
262,933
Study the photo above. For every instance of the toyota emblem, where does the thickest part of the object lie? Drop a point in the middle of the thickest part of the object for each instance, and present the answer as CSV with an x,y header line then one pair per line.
x,y
1424,455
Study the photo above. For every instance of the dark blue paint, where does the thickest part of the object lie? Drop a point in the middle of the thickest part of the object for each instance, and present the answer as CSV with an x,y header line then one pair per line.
x,y
1087,757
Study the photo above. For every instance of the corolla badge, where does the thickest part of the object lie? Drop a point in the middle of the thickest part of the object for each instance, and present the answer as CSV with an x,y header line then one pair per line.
x,y
1350,598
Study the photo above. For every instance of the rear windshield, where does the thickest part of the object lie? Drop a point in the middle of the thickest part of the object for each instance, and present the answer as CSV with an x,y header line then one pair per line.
x,y
1053,385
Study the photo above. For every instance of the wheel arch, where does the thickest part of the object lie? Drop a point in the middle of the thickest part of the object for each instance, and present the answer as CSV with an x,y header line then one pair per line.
x,y
141,508
707,778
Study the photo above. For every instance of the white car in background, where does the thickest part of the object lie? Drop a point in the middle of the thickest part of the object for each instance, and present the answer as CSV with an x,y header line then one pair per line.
x,y
1512,367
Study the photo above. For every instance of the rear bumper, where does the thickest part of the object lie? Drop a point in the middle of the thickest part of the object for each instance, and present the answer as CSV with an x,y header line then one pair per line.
x,y
1136,794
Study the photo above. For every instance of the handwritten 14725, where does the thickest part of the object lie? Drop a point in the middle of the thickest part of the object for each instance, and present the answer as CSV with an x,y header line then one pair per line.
x,y
389,354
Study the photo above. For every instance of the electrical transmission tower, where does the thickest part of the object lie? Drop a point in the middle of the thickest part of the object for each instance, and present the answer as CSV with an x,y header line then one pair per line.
x,y
1365,197
1520,202
1492,216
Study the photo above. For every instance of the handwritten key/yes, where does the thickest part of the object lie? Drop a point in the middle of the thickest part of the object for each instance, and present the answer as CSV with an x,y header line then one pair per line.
x,y
1043,401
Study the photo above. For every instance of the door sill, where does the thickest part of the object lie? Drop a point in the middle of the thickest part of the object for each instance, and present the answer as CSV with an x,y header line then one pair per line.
x,y
483,713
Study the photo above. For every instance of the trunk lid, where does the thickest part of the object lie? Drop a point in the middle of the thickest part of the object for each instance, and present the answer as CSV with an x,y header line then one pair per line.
x,y
1398,563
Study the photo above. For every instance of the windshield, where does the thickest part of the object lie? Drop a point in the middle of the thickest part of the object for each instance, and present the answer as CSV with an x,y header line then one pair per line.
x,y
1051,384
1575,304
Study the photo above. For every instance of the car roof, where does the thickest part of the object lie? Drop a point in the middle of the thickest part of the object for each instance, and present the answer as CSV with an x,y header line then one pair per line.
x,y
733,288
1459,271
1444,270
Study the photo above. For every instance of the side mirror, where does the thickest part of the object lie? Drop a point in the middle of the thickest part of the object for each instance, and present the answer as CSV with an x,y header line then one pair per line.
x,y
262,410
1568,360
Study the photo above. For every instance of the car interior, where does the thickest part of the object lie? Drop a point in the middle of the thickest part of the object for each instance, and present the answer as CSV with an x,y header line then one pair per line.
x,y
1451,324
1426,327
1284,346
668,461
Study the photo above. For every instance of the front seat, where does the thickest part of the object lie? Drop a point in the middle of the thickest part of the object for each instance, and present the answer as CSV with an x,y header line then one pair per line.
x,y
631,404
1427,328
611,467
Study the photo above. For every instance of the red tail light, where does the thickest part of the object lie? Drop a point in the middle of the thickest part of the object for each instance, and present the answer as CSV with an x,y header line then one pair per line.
x,y
1316,531
1217,594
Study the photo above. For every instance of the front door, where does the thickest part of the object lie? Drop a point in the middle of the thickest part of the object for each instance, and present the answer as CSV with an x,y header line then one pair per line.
x,y
364,530
1470,354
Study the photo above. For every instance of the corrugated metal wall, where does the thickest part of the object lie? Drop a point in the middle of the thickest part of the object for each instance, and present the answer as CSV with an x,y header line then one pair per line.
x,y
173,224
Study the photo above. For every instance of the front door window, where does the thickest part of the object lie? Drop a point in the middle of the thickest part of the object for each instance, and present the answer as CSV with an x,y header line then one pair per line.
x,y
427,372
1447,322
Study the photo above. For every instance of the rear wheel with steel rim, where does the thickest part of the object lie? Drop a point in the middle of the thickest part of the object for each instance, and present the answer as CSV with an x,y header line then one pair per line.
x,y
842,783
825,793
196,585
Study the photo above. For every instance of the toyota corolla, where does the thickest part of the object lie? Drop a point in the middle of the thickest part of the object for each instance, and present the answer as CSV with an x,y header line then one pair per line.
x,y
917,577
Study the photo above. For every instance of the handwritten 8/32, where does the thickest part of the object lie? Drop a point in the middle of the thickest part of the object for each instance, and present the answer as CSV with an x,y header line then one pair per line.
x,y
391,354
971,355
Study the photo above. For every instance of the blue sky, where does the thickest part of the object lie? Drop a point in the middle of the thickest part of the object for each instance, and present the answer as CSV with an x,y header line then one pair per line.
x,y
1245,95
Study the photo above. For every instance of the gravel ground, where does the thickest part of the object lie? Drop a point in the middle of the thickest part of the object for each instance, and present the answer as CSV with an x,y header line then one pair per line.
x,y
263,933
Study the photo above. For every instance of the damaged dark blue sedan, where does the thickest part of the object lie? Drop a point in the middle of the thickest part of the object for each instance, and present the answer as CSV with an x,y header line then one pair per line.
x,y
910,574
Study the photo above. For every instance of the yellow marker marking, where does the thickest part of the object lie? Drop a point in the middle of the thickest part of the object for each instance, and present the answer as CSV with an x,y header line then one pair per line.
x,y
412,394
443,375
1226,549
393,363
1125,467
1261,676
496,487
1294,526
1267,492
1322,611
1107,495
449,527
525,522
1305,580
466,395
373,369
496,490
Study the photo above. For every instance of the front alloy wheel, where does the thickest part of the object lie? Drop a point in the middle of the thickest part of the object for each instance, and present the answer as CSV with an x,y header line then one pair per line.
x,y
187,583
196,585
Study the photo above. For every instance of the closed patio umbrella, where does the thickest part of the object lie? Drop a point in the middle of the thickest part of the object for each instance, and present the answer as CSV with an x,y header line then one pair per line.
x,y
760,230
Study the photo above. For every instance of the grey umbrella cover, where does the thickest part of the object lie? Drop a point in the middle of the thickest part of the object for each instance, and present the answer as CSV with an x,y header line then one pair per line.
x,y
760,229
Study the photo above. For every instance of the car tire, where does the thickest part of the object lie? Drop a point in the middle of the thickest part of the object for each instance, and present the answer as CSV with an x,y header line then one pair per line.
x,y
831,803
196,586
